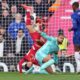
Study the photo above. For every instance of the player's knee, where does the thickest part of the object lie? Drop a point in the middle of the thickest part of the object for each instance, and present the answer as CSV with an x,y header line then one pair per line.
x,y
47,58
29,64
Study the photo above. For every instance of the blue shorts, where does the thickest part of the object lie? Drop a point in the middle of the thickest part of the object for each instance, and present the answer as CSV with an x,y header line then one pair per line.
x,y
76,40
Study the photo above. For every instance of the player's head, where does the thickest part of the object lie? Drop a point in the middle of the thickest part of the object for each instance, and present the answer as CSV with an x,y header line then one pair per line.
x,y
60,36
60,39
75,6
60,32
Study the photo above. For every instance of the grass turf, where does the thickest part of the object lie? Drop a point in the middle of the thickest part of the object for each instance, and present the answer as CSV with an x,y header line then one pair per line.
x,y
17,76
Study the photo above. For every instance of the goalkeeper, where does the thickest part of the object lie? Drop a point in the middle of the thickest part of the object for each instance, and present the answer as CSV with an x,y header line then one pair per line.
x,y
50,47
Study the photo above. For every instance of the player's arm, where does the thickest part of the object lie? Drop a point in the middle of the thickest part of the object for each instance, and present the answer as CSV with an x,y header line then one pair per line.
x,y
75,26
40,42
44,35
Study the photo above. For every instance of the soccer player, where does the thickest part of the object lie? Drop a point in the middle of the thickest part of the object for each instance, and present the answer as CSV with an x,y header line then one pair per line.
x,y
30,56
76,29
50,47
38,42
64,45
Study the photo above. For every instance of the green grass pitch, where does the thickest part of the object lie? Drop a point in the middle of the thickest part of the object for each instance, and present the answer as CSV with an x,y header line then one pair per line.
x,y
17,76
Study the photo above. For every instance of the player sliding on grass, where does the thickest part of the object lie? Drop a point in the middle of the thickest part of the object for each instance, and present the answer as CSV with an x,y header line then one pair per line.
x,y
38,42
50,47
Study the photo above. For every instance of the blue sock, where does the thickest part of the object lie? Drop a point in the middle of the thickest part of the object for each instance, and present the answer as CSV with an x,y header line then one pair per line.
x,y
47,64
43,72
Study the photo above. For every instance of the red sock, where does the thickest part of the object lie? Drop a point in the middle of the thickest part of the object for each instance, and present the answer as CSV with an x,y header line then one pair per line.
x,y
28,18
20,64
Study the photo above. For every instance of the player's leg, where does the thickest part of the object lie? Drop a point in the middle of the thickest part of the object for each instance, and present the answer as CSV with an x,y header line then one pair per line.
x,y
55,58
28,17
25,58
45,61
28,22
35,69
20,64
77,57
76,41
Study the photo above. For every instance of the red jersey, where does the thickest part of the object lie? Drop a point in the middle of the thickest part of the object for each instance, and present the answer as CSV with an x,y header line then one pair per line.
x,y
30,56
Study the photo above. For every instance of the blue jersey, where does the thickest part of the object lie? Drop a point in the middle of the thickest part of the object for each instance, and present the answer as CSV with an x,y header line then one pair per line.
x,y
76,22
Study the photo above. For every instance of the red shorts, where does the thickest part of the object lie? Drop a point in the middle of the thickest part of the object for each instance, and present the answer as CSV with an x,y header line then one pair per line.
x,y
30,56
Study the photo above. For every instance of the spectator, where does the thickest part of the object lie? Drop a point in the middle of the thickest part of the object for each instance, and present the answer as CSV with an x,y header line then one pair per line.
x,y
63,46
5,35
54,4
21,44
0,8
17,4
5,19
17,24
40,7
38,1
1,46
13,11
13,2
4,5
8,49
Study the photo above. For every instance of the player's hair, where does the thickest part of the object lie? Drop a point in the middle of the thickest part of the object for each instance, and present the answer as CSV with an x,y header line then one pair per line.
x,y
76,4
60,32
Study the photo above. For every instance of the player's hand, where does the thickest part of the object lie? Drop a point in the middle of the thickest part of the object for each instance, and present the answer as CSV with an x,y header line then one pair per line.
x,y
69,29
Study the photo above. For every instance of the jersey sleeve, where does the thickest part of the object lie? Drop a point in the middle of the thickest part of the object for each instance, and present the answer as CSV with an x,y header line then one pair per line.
x,y
74,22
44,35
